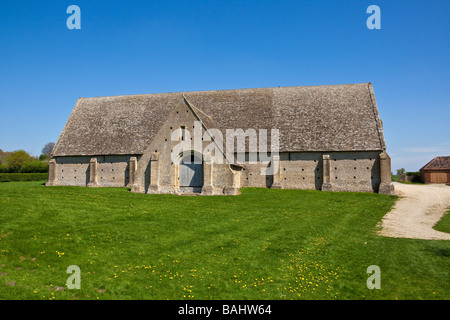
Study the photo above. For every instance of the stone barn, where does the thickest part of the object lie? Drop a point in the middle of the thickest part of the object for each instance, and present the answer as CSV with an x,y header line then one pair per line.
x,y
436,171
216,142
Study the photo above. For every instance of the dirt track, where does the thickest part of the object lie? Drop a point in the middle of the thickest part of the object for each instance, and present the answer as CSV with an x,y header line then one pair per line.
x,y
417,211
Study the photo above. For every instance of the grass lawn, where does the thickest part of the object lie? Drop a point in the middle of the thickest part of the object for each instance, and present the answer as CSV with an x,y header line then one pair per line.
x,y
262,244
444,224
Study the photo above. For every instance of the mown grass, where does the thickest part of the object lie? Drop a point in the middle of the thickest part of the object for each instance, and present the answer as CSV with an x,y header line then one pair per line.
x,y
444,224
262,244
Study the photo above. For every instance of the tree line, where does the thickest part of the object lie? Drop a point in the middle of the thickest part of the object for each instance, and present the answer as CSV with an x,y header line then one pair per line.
x,y
20,161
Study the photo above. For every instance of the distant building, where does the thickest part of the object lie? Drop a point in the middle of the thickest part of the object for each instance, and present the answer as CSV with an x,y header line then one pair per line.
x,y
436,171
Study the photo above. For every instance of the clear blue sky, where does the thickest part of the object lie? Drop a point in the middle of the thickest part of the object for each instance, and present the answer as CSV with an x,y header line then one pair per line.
x,y
137,47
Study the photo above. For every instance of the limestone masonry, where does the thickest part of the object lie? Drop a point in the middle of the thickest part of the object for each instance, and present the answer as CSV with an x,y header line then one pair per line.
x,y
329,138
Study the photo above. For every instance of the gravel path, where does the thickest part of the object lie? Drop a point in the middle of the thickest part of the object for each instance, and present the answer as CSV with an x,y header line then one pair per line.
x,y
417,211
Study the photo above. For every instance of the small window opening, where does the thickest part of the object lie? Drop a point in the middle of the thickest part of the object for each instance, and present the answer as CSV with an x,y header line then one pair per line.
x,y
183,133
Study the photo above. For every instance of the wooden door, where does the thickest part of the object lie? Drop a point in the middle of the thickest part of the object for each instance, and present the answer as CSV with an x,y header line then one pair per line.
x,y
191,172
438,177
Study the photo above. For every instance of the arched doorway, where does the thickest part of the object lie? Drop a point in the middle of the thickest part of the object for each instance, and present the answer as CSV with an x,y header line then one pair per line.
x,y
191,173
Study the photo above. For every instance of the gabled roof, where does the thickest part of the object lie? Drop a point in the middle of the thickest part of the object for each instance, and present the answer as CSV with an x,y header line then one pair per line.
x,y
438,163
310,118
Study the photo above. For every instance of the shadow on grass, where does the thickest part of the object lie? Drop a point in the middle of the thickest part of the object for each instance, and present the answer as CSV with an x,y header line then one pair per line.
x,y
442,252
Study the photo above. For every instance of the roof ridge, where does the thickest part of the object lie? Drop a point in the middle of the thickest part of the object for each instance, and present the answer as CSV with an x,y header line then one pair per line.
x,y
222,90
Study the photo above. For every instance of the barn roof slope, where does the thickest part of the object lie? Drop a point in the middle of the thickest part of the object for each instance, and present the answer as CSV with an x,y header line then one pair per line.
x,y
438,163
309,118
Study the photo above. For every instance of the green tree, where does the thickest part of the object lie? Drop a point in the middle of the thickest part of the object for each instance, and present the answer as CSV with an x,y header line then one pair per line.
x,y
17,160
34,166
401,171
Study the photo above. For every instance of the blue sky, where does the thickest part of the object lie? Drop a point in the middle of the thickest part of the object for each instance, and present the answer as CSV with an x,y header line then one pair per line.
x,y
137,47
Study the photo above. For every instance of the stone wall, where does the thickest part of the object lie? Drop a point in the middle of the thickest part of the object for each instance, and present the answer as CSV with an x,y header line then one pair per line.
x,y
348,171
70,171
355,171
112,171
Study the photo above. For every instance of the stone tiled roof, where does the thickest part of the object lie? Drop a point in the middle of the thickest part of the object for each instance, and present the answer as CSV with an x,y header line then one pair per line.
x,y
438,163
310,118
